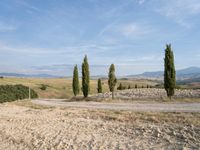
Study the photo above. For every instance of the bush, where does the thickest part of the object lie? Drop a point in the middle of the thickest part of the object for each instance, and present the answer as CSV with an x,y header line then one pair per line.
x,y
15,92
121,87
43,87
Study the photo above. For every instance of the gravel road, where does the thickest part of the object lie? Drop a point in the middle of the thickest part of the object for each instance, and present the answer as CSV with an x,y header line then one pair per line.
x,y
131,106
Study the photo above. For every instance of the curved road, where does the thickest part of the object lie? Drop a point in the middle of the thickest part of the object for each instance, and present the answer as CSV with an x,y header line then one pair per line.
x,y
134,106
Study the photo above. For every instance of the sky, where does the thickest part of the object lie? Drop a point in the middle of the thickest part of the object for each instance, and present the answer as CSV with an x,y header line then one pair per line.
x,y
51,36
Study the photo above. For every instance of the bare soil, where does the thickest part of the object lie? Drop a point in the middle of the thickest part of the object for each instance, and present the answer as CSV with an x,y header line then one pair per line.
x,y
59,128
131,106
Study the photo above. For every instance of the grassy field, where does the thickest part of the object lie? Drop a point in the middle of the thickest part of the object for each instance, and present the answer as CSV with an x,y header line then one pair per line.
x,y
61,87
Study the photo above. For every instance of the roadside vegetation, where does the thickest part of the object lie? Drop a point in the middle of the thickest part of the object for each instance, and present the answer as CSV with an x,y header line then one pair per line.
x,y
62,87
15,92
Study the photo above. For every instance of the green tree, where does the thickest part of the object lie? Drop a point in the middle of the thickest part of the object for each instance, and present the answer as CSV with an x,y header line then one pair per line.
x,y
85,77
136,86
75,83
112,80
120,87
99,88
169,72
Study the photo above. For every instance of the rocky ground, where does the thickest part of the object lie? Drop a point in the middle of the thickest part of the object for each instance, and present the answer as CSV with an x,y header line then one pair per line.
x,y
58,128
150,93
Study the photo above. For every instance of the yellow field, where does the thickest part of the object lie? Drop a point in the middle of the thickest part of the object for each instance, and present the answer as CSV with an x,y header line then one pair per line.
x,y
62,87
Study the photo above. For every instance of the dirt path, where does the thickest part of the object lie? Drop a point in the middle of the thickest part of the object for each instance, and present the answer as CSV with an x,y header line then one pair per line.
x,y
134,106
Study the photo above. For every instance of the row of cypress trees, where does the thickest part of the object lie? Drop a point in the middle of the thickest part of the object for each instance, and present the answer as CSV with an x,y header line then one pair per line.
x,y
86,79
169,76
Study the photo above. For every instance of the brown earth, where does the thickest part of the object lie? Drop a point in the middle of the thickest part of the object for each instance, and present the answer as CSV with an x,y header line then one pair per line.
x,y
29,126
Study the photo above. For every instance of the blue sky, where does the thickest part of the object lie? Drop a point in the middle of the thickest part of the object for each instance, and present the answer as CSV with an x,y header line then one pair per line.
x,y
50,36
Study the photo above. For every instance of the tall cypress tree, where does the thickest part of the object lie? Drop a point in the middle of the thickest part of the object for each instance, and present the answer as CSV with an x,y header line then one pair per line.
x,y
169,72
112,80
75,83
85,77
99,88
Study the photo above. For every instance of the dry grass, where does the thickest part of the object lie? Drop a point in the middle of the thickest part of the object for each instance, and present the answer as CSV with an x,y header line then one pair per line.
x,y
61,87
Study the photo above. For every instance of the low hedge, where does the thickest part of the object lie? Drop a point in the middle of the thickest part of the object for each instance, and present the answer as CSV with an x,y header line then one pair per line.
x,y
15,92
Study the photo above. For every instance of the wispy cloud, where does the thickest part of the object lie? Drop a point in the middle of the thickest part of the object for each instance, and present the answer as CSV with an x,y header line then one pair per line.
x,y
6,27
70,51
128,30
27,5
141,1
134,29
178,10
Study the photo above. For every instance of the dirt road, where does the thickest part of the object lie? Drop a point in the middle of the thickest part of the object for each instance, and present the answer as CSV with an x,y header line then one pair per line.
x,y
134,106
25,128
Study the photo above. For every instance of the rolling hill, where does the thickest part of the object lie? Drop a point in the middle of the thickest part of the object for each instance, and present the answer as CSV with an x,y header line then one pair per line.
x,y
183,74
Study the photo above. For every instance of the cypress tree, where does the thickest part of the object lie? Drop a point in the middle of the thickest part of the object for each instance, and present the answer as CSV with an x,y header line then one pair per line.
x,y
120,87
99,88
112,80
136,86
85,77
75,83
169,72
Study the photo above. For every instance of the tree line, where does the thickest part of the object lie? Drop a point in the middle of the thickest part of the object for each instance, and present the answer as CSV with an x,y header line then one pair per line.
x,y
169,76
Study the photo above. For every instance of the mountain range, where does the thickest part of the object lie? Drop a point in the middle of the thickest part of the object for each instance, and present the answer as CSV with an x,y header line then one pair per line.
x,y
183,74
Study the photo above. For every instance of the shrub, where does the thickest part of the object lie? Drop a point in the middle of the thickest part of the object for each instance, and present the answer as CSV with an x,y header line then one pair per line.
x,y
43,87
121,87
136,86
15,92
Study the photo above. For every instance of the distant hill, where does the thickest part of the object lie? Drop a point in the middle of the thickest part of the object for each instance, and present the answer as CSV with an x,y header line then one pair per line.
x,y
183,74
